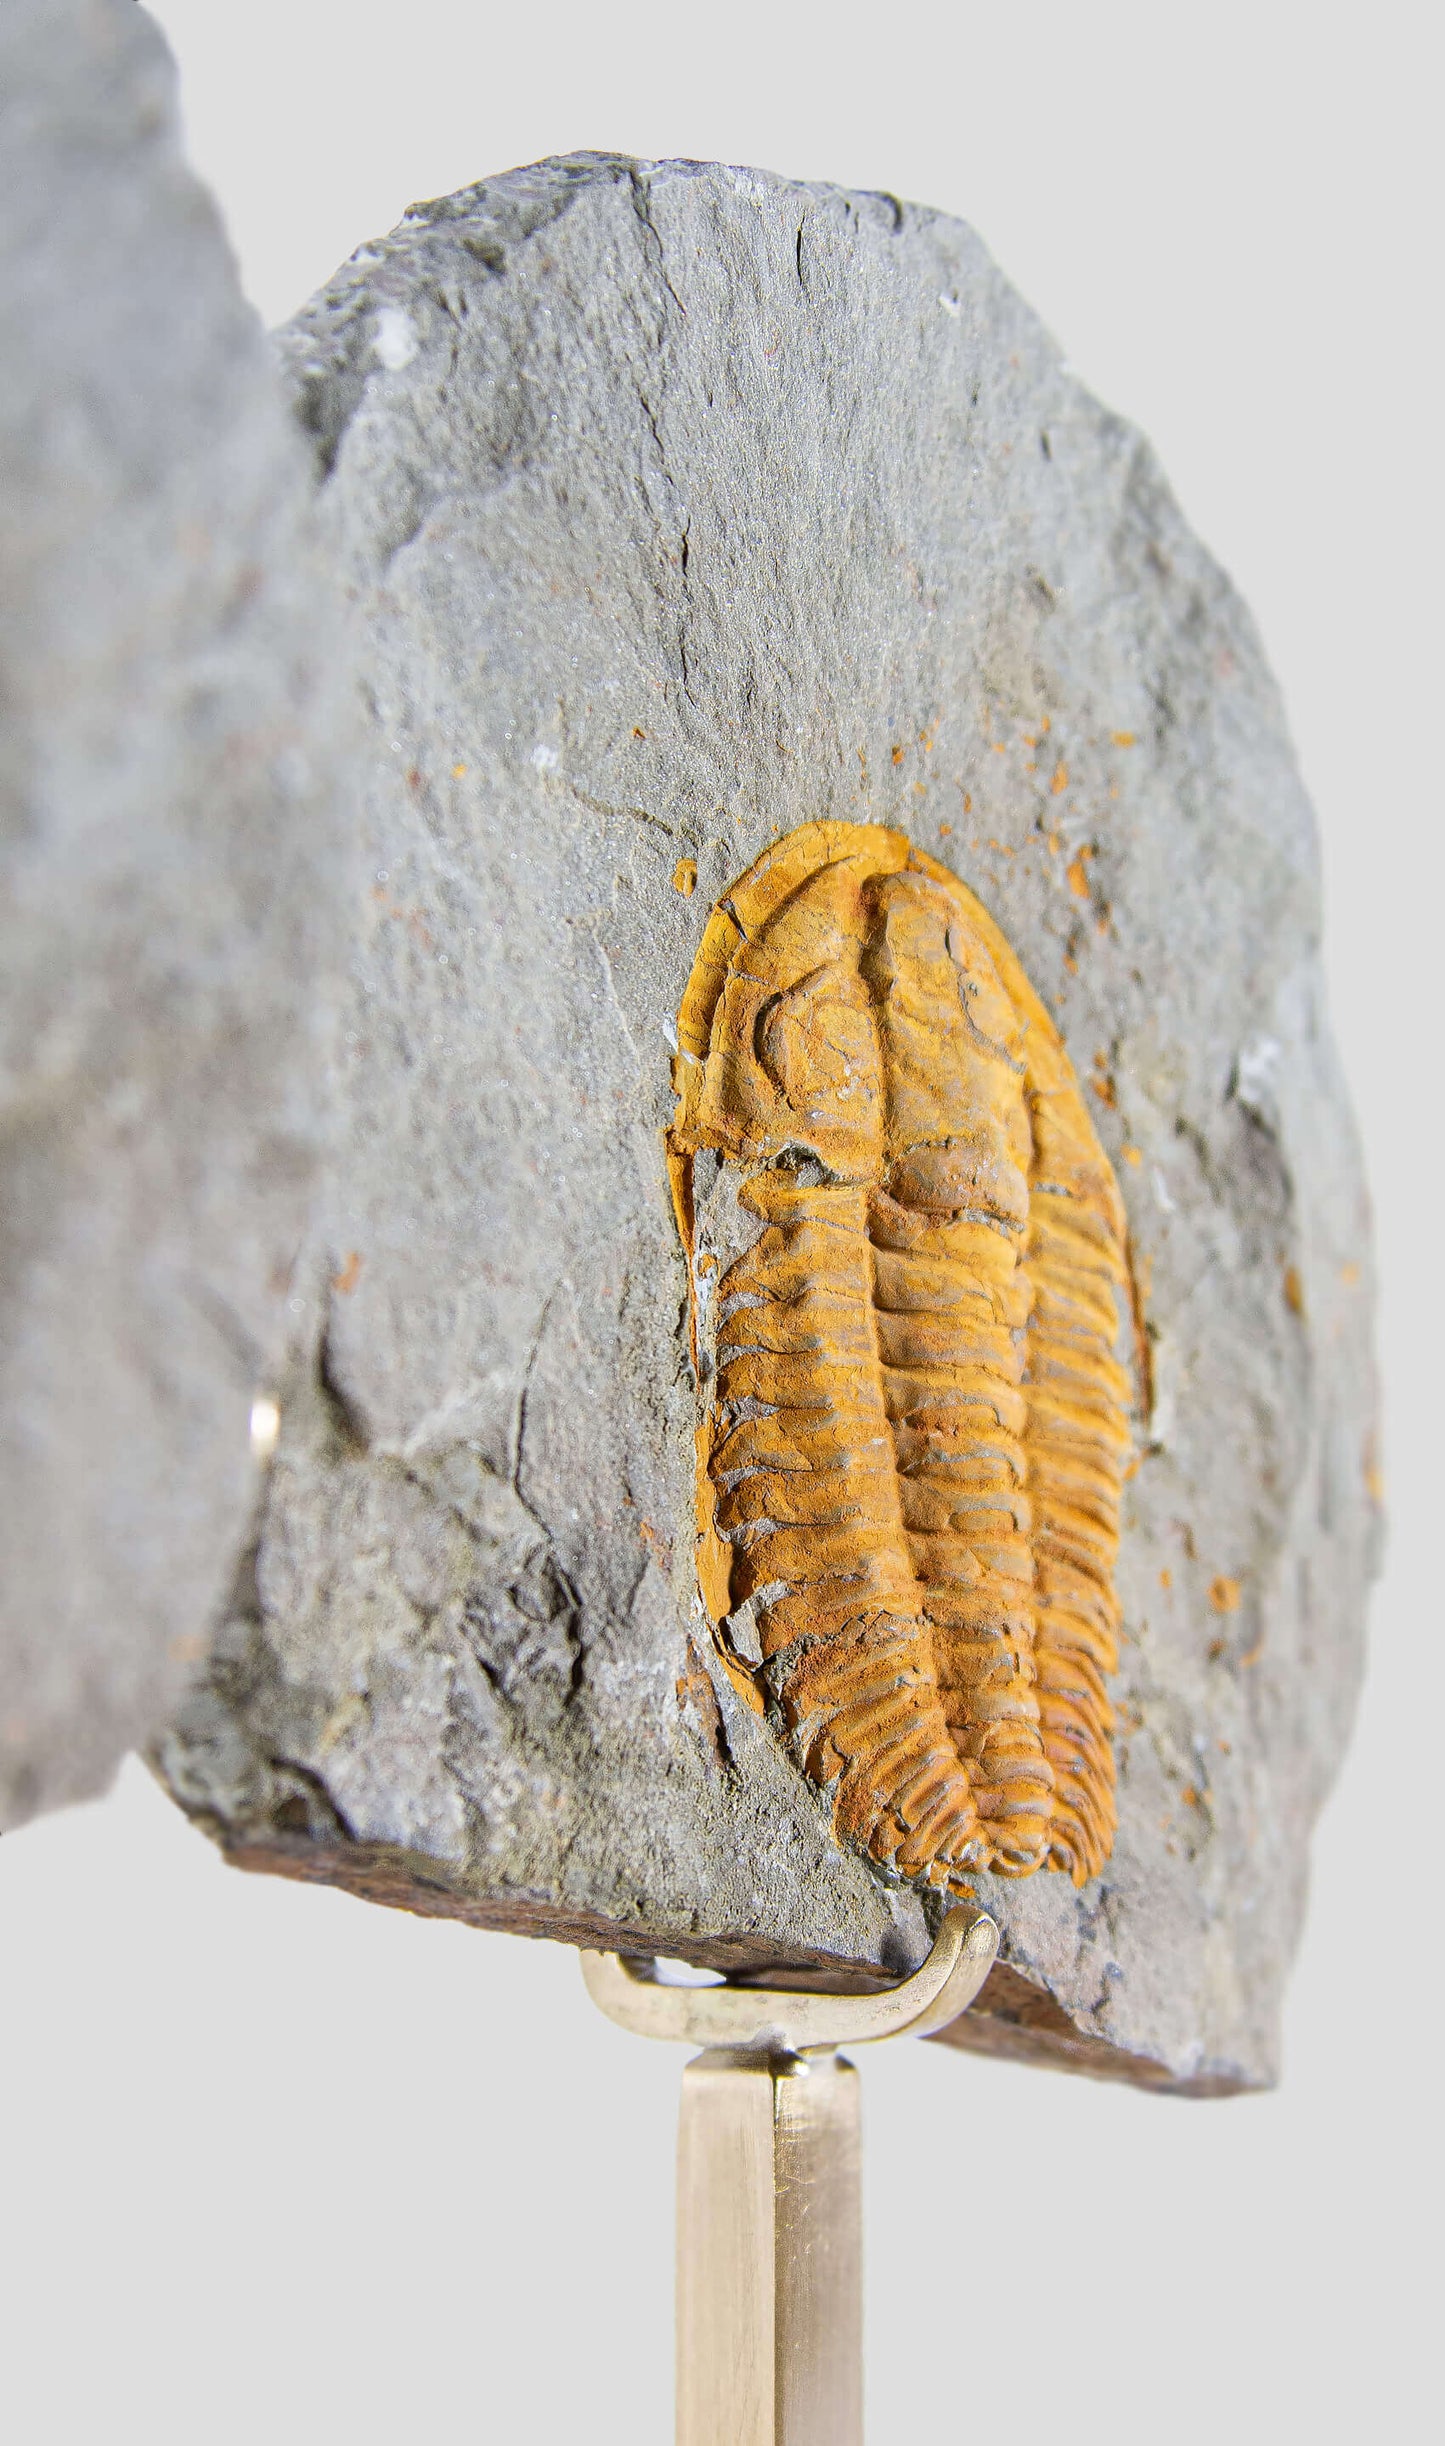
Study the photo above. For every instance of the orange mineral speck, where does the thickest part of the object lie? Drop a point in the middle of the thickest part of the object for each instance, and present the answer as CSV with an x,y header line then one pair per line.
x,y
459,772
1294,1291
1132,1155
1224,1595
1124,738
1077,873
898,755
1061,778
1166,1579
684,877
350,1275
694,1690
1349,1274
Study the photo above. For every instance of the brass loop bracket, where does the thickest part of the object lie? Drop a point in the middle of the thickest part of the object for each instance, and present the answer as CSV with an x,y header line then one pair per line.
x,y
782,2021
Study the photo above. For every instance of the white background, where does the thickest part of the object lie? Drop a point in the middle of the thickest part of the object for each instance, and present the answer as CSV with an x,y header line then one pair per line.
x,y
281,2166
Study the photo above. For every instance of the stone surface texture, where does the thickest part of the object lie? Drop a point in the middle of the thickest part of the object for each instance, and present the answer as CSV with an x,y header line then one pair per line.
x,y
170,901
682,505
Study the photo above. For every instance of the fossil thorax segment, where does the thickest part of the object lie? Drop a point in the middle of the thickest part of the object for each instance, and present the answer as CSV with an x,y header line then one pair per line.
x,y
914,1425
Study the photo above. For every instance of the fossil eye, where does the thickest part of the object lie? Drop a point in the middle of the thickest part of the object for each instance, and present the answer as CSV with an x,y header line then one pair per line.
x,y
816,1040
914,1423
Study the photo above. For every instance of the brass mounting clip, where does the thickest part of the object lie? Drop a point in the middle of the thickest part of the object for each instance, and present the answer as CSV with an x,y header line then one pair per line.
x,y
769,2218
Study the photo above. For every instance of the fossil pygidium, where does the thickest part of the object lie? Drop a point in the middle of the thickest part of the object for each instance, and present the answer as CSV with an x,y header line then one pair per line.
x,y
908,1265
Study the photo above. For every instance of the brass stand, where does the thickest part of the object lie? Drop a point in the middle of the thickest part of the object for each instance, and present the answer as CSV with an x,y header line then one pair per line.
x,y
769,2218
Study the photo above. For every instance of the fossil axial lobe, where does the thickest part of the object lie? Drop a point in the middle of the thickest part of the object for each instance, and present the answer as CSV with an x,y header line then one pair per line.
x,y
914,1424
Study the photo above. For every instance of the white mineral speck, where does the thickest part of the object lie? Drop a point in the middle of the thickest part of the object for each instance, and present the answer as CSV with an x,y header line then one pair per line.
x,y
394,341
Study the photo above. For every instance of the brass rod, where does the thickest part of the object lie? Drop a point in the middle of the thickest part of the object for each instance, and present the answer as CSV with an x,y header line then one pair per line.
x,y
769,2253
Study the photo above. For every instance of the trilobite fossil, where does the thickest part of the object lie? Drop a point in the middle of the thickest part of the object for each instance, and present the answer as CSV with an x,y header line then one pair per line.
x,y
909,1282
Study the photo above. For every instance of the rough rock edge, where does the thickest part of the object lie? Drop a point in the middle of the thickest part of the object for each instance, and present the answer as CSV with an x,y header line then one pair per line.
x,y
1012,2017
177,723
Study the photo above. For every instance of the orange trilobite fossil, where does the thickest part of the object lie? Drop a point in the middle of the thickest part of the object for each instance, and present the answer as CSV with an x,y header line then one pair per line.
x,y
909,1270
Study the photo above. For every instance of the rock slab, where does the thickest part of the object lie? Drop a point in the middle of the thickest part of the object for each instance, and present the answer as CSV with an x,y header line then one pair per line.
x,y
171,902
683,505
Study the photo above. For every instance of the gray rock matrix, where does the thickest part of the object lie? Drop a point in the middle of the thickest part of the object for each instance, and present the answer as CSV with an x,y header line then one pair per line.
x,y
682,505
171,896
